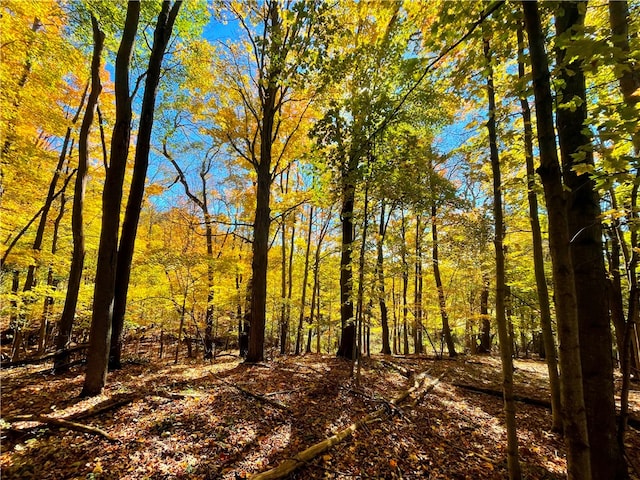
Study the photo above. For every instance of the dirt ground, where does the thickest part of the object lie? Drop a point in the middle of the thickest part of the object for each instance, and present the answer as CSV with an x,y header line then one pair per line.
x,y
227,420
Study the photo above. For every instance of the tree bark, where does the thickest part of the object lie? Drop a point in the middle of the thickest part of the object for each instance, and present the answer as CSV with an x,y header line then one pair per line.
x,y
269,90
65,325
506,350
629,86
51,281
585,232
104,292
305,277
347,338
405,285
382,301
538,256
485,335
575,422
442,302
417,289
284,320
161,36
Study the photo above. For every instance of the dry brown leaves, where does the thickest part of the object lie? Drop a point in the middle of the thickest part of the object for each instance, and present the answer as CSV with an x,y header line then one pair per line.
x,y
190,421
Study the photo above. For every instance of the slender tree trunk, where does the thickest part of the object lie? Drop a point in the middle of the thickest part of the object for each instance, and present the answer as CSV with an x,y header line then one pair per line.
x,y
14,317
384,314
305,277
29,282
585,232
442,302
361,267
284,320
292,249
181,327
65,325
315,300
405,286
506,350
485,336
162,33
51,281
417,289
284,323
629,84
104,292
319,317
538,256
395,316
614,288
575,421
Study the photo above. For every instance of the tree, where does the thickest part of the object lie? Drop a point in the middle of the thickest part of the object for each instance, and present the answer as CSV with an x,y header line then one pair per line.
x,y
65,324
506,350
278,57
161,36
104,291
201,200
629,83
575,421
585,233
538,259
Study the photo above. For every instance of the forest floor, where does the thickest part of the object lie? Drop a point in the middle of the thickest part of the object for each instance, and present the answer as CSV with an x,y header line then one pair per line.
x,y
229,420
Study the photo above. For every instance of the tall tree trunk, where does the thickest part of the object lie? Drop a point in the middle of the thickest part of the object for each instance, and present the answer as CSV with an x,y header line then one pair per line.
x,y
284,320
384,314
442,302
292,249
51,281
29,282
104,292
629,84
347,338
270,90
585,232
161,36
485,335
17,330
405,285
417,289
319,315
65,324
575,421
261,224
361,267
395,316
506,350
305,277
538,256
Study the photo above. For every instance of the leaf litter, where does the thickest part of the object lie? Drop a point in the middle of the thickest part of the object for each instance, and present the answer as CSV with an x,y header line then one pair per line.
x,y
228,420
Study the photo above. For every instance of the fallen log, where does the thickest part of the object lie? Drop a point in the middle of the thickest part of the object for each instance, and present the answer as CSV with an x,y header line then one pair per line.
x,y
631,421
257,396
62,423
43,358
106,406
302,458
398,368
498,393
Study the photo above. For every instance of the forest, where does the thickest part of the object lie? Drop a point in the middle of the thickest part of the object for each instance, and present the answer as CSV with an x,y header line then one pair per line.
x,y
319,239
